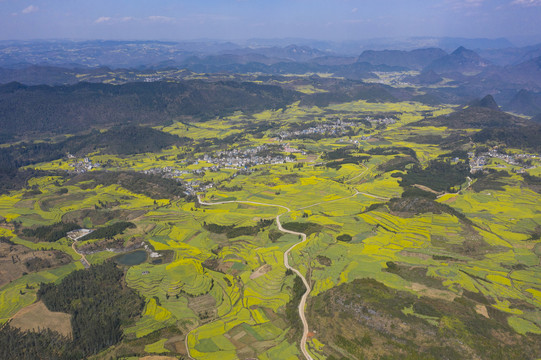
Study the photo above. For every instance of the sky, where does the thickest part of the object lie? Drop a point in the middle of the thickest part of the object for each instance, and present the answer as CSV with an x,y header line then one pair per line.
x,y
339,20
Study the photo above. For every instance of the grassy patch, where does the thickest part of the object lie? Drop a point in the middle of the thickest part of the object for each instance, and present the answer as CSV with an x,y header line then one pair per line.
x,y
303,227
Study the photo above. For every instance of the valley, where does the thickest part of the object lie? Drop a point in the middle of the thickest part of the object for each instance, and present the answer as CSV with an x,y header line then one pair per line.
x,y
271,230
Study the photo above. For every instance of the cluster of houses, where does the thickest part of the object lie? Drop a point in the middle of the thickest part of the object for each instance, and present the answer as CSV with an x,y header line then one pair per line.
x,y
478,162
355,141
241,159
83,166
166,172
153,79
195,186
191,186
246,158
395,79
384,121
335,128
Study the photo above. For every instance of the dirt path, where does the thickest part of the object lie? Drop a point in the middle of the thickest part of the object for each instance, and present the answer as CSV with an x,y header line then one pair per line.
x,y
427,189
85,262
358,176
374,196
443,193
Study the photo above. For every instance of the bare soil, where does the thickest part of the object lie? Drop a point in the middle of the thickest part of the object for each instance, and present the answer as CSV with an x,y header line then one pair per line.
x,y
261,271
37,316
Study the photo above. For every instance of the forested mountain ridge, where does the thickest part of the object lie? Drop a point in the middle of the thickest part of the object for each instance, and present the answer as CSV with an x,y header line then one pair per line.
x,y
70,109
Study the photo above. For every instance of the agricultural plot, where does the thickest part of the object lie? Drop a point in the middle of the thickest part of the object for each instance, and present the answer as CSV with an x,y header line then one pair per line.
x,y
22,292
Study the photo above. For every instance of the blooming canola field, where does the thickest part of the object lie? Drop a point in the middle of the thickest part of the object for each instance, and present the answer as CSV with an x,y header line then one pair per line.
x,y
214,283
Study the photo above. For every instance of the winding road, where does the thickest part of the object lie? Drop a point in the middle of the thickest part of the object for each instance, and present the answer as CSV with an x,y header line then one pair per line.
x,y
302,303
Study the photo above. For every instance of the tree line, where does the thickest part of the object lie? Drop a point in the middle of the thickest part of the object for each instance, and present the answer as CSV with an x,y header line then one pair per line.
x,y
50,233
107,232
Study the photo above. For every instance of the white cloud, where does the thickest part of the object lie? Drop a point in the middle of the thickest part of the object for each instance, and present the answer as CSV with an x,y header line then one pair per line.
x,y
527,2
107,19
30,9
354,10
102,19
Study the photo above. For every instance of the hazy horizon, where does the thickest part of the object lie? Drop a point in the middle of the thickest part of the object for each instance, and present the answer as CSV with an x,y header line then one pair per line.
x,y
238,20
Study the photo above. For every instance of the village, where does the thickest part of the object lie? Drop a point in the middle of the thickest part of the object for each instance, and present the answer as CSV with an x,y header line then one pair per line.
x,y
336,128
240,159
246,158
385,120
83,165
478,162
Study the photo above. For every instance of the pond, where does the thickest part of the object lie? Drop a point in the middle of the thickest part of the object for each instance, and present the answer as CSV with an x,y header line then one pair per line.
x,y
132,258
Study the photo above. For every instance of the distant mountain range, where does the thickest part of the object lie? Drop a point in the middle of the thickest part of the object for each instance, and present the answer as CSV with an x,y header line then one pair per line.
x,y
461,60
415,59
287,53
356,47
135,54
511,74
